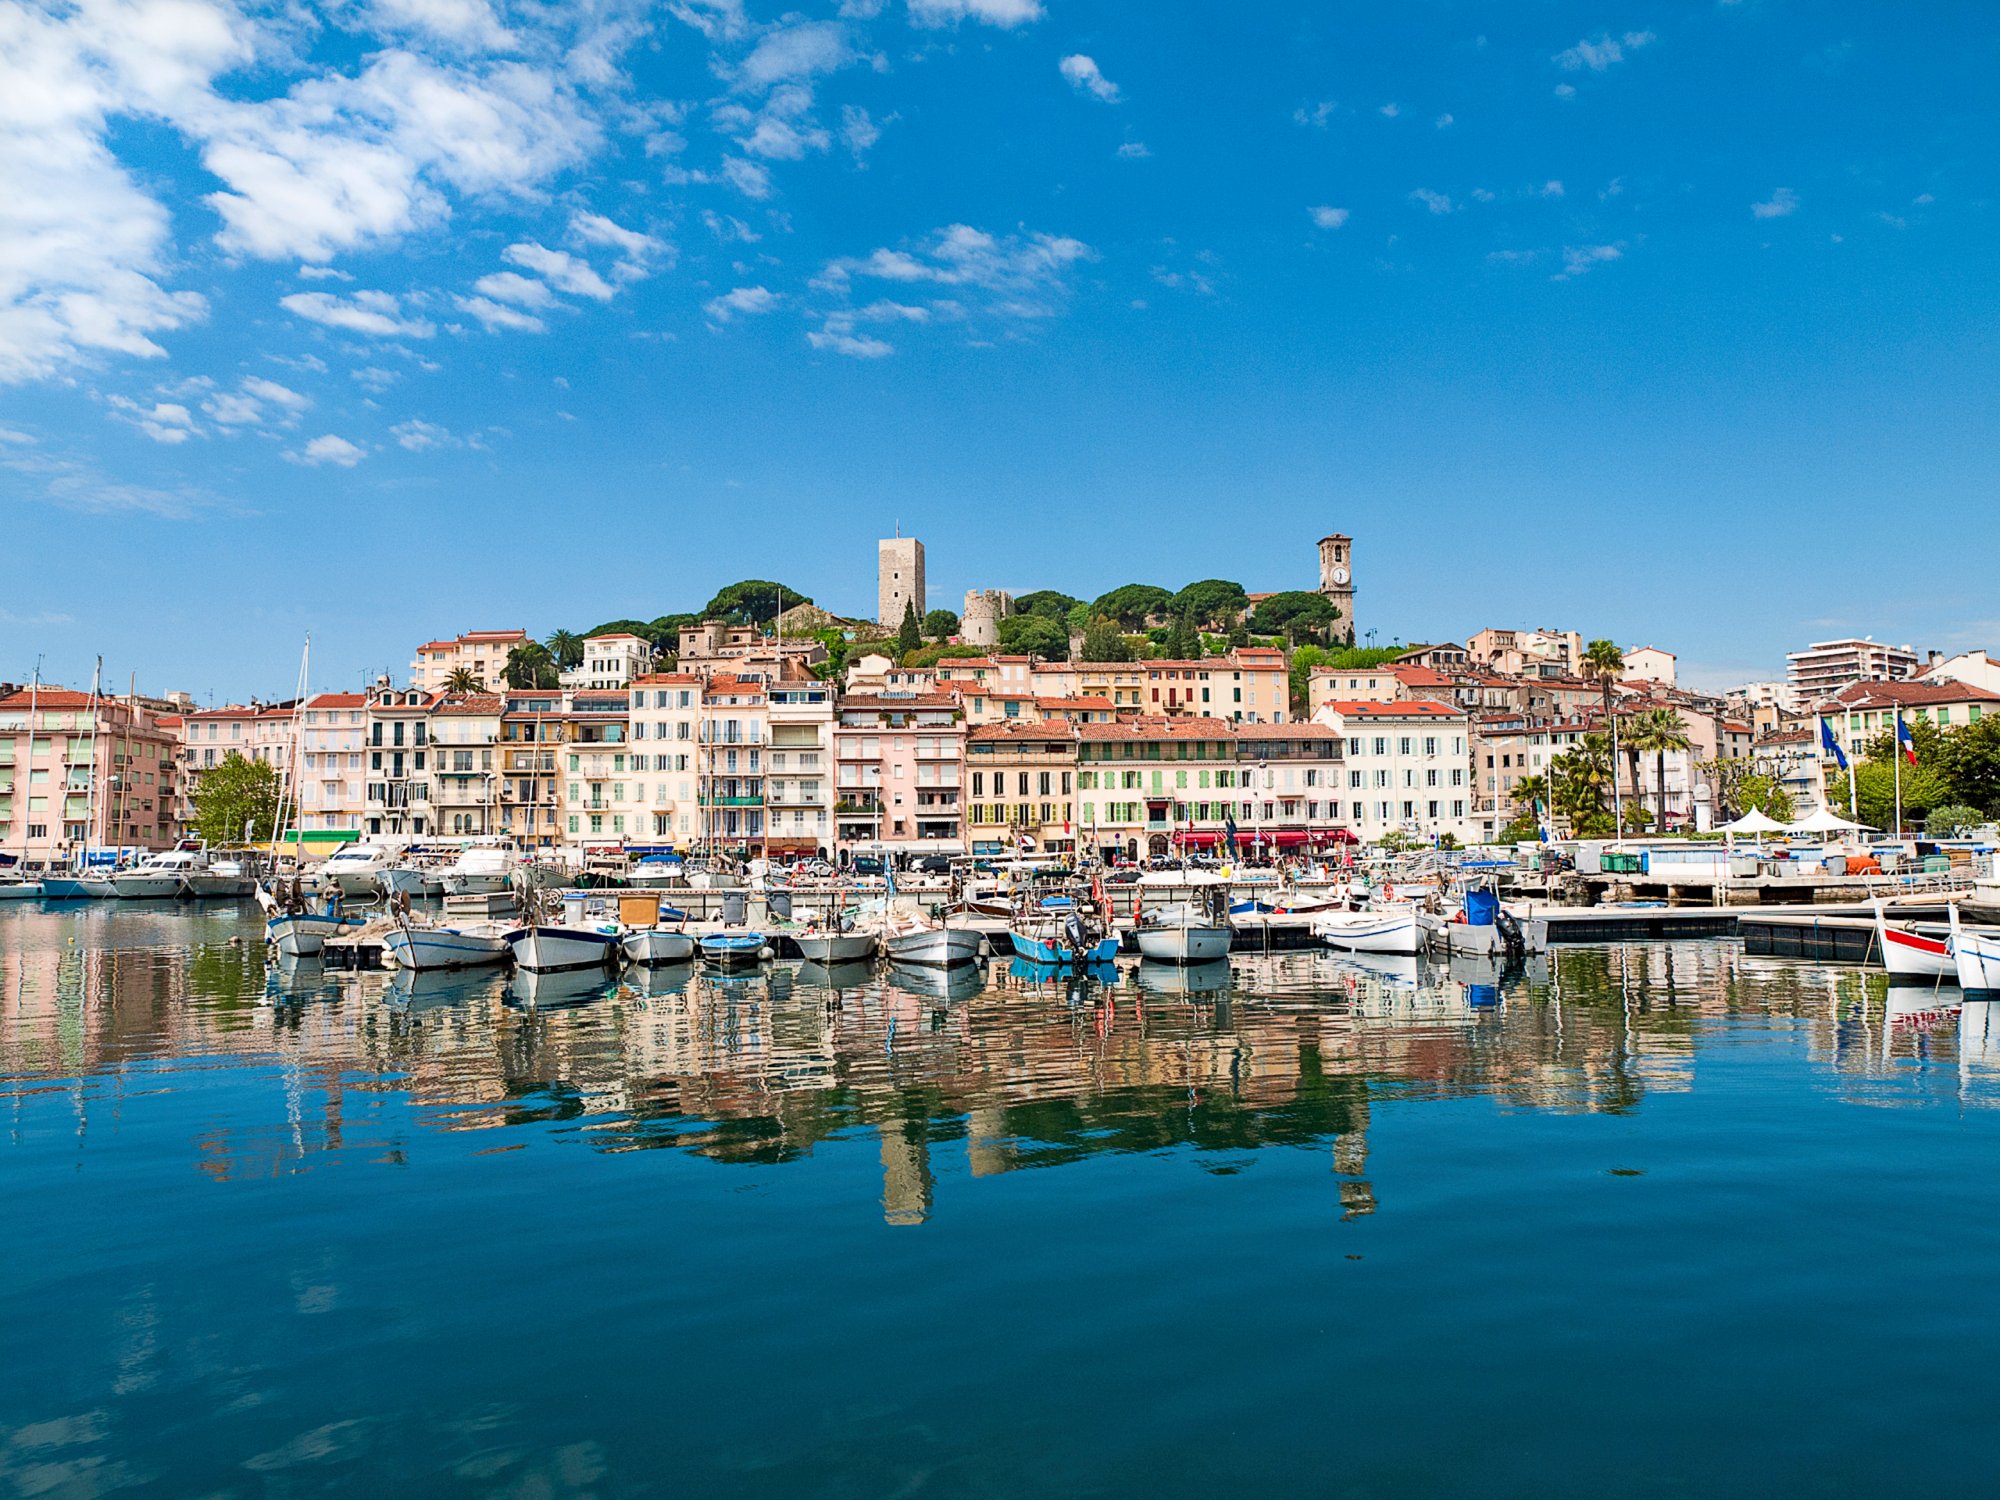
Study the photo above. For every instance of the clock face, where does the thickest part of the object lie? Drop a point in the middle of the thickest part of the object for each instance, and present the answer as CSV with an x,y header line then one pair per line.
x,y
1340,575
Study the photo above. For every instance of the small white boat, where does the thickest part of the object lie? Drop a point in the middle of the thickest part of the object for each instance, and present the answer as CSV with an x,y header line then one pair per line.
x,y
547,950
656,947
411,880
1390,929
19,890
482,870
304,934
469,946
1975,955
827,947
911,938
1187,932
1908,954
356,870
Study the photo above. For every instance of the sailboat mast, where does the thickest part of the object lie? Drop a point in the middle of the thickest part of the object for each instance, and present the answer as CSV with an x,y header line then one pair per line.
x,y
90,787
27,769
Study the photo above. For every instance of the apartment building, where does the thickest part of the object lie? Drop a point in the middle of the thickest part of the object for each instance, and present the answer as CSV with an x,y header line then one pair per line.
x,y
466,773
598,804
610,662
1408,768
532,733
79,771
1291,781
799,767
397,799
1825,667
1863,711
666,718
1509,748
900,763
1146,784
267,732
731,746
481,652
1021,786
333,796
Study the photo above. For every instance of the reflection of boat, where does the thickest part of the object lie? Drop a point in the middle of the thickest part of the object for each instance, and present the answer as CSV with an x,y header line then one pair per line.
x,y
960,982
1390,929
657,983
1978,1040
1391,968
551,990
835,976
732,950
1028,969
422,988
465,947
1909,1009
655,947
1209,978
1908,954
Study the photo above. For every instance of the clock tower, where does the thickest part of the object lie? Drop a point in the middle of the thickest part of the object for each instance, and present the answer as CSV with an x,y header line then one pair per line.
x,y
1336,579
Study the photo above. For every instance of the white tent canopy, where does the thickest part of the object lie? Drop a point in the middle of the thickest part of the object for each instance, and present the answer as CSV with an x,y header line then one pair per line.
x,y
1754,822
1825,820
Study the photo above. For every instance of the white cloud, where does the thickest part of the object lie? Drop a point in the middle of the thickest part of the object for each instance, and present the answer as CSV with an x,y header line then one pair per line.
x,y
329,449
376,313
1390,111
1084,76
418,435
840,338
1002,13
1780,205
963,256
1328,218
462,23
727,227
1132,151
277,395
1317,115
595,229
1443,122
1603,52
1553,188
1565,91
163,422
858,130
560,269
744,301
322,273
245,406
1577,259
511,286
375,378
496,316
1436,202
749,179
796,51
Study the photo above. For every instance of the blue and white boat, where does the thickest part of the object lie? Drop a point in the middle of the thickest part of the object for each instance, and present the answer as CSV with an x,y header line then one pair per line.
x,y
733,950
552,949
1062,936
470,946
303,934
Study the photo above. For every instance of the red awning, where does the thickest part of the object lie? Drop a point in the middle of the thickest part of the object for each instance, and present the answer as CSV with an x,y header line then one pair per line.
x,y
1193,839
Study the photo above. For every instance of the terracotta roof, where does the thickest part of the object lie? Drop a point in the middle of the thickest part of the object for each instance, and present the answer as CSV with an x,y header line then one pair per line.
x,y
337,700
494,635
1020,729
1909,694
168,721
473,703
892,703
1081,703
437,646
954,663
1420,677
683,679
1158,727
1409,708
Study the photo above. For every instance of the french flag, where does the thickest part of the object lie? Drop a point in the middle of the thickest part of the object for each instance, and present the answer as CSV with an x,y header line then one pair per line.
x,y
1905,741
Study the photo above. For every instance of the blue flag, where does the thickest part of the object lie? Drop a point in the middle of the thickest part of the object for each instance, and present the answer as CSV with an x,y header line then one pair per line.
x,y
1831,745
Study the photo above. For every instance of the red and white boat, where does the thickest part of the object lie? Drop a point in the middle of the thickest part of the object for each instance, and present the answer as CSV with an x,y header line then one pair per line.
x,y
1908,954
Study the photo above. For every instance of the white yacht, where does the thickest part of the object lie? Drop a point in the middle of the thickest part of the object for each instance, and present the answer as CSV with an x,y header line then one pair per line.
x,y
157,877
357,869
482,870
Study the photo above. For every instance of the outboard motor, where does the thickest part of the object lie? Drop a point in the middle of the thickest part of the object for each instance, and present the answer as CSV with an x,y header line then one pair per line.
x,y
1079,937
1511,940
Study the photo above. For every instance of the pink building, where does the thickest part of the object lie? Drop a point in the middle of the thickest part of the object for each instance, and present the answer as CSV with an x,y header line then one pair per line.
x,y
900,774
85,772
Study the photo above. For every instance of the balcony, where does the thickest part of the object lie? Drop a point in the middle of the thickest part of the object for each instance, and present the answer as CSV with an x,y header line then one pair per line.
x,y
858,809
707,801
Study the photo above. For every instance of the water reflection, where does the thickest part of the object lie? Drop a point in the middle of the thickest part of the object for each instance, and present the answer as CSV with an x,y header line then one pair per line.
x,y
1006,1064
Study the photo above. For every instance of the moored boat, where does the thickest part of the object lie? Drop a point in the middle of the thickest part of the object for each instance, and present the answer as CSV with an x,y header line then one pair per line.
x,y
303,934
356,870
550,949
482,870
468,946
1390,929
1975,956
80,887
1187,932
835,947
732,950
656,947
1908,954
158,877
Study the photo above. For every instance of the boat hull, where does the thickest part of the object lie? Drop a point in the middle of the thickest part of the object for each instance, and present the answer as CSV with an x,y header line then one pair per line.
x,y
77,888
20,891
445,948
206,885
459,884
1184,945
1367,932
1037,950
304,935
551,950
937,948
835,947
355,882
734,951
1976,959
147,886
656,947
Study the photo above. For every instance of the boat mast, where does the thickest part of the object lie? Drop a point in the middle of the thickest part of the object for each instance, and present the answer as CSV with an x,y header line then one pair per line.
x,y
287,787
27,769
90,787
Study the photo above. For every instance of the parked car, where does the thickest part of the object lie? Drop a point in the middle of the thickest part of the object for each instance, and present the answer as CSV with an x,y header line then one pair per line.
x,y
934,864
867,864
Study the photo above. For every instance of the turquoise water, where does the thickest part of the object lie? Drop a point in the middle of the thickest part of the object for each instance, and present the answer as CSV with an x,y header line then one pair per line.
x,y
1650,1221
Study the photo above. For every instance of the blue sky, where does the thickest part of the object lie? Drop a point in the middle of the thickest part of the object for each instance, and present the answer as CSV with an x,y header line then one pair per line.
x,y
383,320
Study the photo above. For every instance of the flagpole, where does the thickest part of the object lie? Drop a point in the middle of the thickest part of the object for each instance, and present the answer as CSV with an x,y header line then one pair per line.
x,y
1896,755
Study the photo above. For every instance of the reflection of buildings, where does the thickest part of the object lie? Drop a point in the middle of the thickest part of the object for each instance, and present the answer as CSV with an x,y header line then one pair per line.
x,y
1028,1073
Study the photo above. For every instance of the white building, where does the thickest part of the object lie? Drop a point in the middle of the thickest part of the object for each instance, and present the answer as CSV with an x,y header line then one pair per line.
x,y
465,768
398,795
333,729
1407,767
1973,668
610,662
481,652
666,750
799,784
1825,667
1649,664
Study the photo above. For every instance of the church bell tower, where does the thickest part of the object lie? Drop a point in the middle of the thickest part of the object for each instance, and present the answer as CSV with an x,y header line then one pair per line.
x,y
1336,579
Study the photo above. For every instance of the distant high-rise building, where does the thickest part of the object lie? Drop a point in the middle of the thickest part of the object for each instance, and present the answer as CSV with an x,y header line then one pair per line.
x,y
899,580
1825,667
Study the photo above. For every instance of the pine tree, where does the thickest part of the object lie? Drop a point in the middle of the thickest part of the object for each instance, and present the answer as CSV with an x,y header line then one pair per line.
x,y
911,636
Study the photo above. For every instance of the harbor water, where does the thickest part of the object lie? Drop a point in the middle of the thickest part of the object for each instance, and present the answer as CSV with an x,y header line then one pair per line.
x,y
1647,1220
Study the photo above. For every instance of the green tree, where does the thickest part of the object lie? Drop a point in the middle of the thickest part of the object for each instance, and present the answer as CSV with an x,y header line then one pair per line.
x,y
1750,791
1530,790
236,795
940,625
1362,658
566,646
1297,614
1212,601
1967,757
1132,604
1048,603
1953,820
532,665
752,601
1603,663
1303,660
910,635
463,680
1581,780
1035,635
1658,732
1103,641
1875,782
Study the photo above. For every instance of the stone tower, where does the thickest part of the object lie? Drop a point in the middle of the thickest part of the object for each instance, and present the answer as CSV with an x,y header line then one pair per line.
x,y
899,579
984,610
1336,579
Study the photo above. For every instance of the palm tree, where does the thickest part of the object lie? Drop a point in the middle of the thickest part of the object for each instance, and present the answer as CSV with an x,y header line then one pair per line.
x,y
1603,661
566,646
1585,773
463,680
1658,731
1529,790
